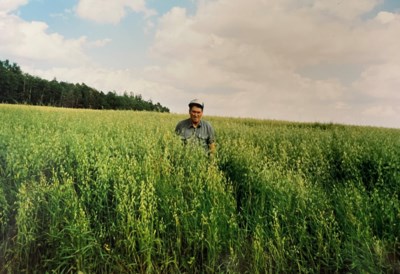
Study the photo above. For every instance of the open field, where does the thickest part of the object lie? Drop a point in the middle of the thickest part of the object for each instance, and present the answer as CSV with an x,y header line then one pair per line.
x,y
116,192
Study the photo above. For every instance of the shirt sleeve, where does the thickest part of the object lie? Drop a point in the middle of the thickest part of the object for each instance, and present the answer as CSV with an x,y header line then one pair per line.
x,y
211,137
178,128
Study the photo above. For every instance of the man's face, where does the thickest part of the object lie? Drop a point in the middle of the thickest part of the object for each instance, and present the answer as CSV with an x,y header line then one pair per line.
x,y
195,114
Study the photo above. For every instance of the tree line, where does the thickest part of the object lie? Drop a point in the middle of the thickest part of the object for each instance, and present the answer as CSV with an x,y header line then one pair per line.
x,y
17,87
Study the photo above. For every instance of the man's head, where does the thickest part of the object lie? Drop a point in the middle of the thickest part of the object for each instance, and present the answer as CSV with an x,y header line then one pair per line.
x,y
196,110
196,102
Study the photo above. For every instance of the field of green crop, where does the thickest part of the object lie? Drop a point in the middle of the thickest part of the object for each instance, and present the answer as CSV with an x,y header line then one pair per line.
x,y
117,192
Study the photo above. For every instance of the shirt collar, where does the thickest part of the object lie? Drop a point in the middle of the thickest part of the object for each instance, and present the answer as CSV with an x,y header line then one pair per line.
x,y
191,125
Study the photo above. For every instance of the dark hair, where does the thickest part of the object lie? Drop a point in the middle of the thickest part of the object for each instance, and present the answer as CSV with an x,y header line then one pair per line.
x,y
195,105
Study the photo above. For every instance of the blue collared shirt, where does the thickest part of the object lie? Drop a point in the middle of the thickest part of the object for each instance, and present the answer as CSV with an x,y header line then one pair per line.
x,y
203,134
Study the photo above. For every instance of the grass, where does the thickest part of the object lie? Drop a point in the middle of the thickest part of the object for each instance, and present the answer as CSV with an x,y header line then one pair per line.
x,y
116,191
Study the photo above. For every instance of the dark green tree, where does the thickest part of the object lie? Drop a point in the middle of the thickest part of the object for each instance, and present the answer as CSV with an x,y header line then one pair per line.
x,y
17,87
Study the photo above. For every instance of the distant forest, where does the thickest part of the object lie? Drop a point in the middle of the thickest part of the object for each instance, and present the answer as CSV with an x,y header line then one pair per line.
x,y
17,87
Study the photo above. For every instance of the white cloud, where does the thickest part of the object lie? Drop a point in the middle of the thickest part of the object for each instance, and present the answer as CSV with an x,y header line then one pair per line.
x,y
11,5
385,17
32,40
105,11
383,111
247,54
99,43
62,15
344,9
381,115
149,26
380,81
291,35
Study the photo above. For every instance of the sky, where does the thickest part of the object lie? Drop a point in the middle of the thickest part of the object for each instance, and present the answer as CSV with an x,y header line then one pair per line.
x,y
328,61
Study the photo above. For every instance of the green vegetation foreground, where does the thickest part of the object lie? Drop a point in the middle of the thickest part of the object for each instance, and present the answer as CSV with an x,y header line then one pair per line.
x,y
117,192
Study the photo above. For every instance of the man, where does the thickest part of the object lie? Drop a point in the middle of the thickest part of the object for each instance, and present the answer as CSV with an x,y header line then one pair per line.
x,y
195,130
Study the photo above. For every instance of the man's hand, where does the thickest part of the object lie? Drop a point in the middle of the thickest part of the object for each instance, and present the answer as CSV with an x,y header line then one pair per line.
x,y
212,148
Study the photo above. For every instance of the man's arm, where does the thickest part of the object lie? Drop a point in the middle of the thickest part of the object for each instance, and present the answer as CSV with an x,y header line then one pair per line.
x,y
212,148
178,128
211,140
